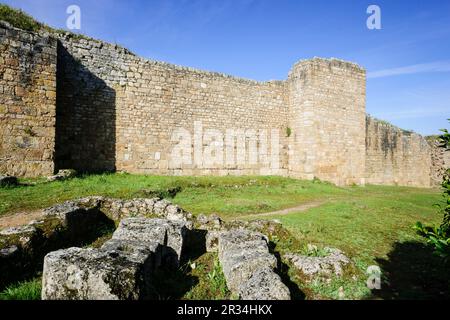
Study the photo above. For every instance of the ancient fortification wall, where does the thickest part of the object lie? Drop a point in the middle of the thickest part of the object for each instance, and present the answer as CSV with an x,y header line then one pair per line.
x,y
395,156
121,112
89,105
27,102
327,116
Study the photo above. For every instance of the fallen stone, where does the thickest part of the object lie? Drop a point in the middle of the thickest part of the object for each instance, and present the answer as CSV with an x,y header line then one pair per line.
x,y
8,251
22,236
122,268
160,206
63,175
211,222
169,234
212,241
264,284
118,209
77,221
332,263
137,251
91,274
243,255
8,181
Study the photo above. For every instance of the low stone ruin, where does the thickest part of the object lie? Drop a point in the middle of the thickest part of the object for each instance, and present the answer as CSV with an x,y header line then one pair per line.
x,y
331,264
249,267
151,234
62,175
72,223
121,269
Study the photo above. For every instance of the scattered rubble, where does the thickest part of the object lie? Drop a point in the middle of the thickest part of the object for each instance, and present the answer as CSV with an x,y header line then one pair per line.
x,y
121,269
149,234
249,267
63,175
328,265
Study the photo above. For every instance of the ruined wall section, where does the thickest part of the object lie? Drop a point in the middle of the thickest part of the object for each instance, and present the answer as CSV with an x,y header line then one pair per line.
x,y
440,160
71,102
27,102
327,119
396,157
119,111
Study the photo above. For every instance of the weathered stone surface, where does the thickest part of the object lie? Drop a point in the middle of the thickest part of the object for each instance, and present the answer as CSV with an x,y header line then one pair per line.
x,y
63,175
6,181
332,263
99,85
212,240
118,209
18,248
122,268
211,222
243,254
89,274
397,157
27,102
78,221
22,236
8,251
137,251
170,234
264,284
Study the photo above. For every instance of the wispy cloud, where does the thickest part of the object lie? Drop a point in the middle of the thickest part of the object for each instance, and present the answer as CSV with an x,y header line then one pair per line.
x,y
438,66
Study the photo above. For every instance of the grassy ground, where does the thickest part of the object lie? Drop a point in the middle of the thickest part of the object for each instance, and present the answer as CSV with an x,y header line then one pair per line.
x,y
229,196
27,290
372,225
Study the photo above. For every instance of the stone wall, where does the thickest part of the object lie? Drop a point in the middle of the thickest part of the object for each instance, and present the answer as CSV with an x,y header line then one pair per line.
x,y
72,102
440,160
27,102
395,156
119,111
327,117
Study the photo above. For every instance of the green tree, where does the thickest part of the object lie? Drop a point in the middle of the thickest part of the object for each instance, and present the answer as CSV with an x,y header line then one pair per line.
x,y
439,236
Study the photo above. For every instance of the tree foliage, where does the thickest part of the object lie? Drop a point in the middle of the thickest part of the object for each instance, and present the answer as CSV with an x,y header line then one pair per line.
x,y
439,236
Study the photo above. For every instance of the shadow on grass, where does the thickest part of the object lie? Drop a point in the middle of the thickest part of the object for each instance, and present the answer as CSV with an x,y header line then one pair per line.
x,y
174,283
412,271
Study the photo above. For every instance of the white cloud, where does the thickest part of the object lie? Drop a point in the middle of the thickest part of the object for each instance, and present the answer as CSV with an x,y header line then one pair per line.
x,y
438,66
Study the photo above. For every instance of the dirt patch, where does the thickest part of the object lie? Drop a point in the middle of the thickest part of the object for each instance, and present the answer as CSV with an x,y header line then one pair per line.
x,y
19,219
300,208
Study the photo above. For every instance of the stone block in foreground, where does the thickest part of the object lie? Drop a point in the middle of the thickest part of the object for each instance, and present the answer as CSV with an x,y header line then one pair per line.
x,y
169,234
248,266
122,269
90,274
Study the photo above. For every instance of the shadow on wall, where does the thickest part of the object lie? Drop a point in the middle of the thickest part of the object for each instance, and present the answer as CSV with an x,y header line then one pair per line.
x,y
412,271
85,118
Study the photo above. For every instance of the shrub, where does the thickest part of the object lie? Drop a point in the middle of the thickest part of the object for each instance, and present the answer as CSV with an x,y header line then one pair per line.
x,y
439,237
19,19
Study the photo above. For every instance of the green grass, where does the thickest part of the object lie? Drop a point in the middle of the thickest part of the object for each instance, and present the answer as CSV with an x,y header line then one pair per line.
x,y
28,290
19,19
210,280
372,225
229,196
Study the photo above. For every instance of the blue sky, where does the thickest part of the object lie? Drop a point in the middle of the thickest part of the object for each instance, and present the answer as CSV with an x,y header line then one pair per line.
x,y
408,60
